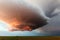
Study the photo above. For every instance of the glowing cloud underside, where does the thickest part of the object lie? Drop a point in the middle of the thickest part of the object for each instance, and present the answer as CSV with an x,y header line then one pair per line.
x,y
3,26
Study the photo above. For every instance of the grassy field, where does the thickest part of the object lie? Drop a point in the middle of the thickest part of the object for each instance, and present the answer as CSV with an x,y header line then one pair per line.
x,y
30,38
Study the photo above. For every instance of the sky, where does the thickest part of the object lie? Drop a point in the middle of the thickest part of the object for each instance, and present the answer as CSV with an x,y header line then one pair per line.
x,y
53,27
